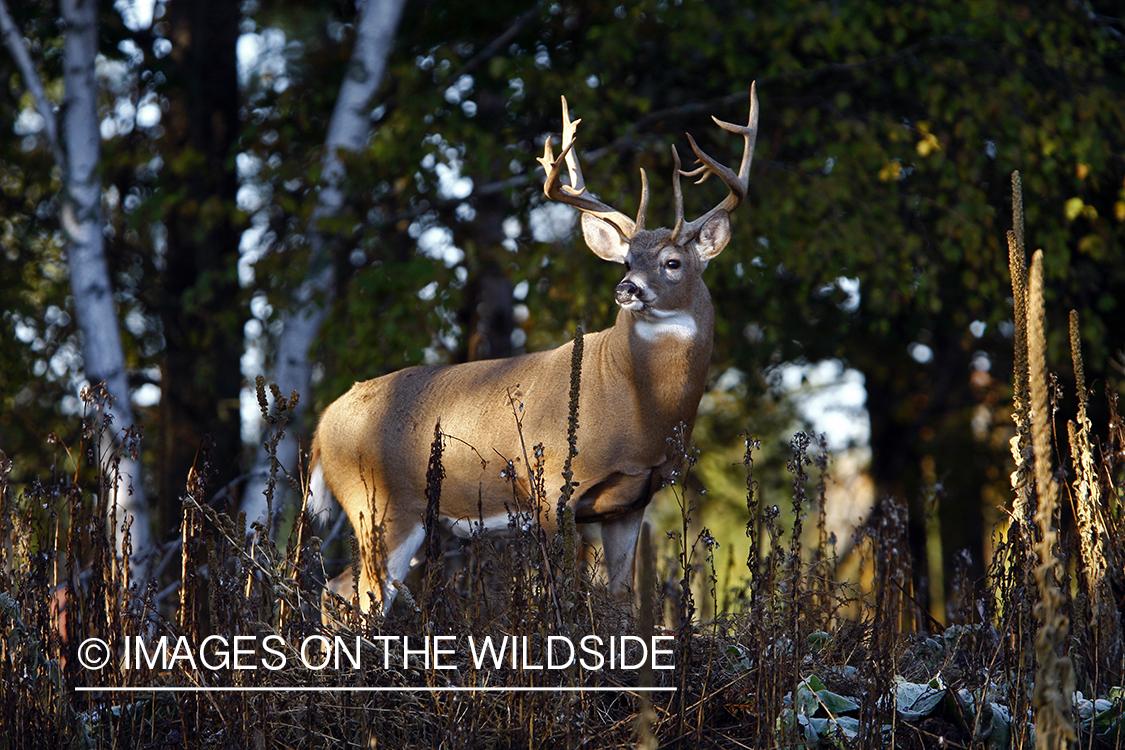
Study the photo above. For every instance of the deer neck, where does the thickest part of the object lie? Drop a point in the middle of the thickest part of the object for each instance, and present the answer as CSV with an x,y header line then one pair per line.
x,y
666,355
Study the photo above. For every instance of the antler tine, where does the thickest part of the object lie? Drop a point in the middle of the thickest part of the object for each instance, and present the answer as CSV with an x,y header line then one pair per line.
x,y
749,133
643,209
569,138
575,193
709,167
737,184
677,194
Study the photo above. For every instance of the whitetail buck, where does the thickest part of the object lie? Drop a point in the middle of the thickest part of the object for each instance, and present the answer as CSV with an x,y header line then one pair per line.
x,y
640,380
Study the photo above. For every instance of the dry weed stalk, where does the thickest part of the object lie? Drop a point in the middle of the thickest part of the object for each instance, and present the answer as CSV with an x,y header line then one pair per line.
x,y
1093,529
568,533
646,715
1053,694
1014,582
1021,444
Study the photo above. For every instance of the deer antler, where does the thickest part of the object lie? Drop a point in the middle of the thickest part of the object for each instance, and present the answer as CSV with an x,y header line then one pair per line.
x,y
575,193
736,183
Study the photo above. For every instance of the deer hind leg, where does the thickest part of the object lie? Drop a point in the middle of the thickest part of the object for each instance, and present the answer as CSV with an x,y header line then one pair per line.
x,y
619,548
400,542
401,549
342,586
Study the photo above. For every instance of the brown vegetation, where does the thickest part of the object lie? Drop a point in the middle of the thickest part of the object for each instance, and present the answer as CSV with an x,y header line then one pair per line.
x,y
797,659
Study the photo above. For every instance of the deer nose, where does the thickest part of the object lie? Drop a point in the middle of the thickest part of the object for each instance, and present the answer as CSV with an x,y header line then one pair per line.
x,y
626,291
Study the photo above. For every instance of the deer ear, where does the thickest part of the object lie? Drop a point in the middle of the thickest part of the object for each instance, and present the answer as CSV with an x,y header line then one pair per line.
x,y
603,238
713,236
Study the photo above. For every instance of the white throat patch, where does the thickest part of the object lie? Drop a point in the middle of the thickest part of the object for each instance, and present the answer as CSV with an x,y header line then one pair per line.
x,y
675,323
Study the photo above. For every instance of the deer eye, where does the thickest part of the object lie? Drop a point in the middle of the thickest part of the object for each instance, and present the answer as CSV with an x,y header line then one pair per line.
x,y
672,264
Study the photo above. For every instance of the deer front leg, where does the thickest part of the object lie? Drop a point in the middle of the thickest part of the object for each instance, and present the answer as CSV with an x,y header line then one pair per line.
x,y
619,502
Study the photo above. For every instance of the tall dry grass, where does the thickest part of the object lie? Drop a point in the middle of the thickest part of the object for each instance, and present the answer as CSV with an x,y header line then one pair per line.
x,y
796,658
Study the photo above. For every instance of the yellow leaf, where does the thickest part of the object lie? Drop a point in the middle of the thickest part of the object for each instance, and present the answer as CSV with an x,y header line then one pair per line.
x,y
928,145
1119,210
890,171
1082,170
1073,208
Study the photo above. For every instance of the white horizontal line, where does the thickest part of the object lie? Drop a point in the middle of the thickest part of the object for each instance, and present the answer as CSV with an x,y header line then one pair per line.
x,y
371,689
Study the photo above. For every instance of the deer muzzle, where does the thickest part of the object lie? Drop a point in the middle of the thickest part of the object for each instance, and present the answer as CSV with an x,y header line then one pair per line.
x,y
629,295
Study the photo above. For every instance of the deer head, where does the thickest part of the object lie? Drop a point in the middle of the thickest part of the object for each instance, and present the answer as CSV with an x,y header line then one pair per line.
x,y
614,236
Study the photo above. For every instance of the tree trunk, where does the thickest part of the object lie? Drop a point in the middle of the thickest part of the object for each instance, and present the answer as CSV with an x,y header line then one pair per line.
x,y
921,446
81,216
488,316
349,129
201,376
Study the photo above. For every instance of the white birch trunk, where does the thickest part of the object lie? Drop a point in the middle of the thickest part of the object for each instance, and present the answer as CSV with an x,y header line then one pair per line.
x,y
349,129
103,356
77,152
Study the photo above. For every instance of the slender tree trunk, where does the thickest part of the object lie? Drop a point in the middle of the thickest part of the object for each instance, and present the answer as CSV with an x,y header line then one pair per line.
x,y
13,40
81,215
348,130
77,149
